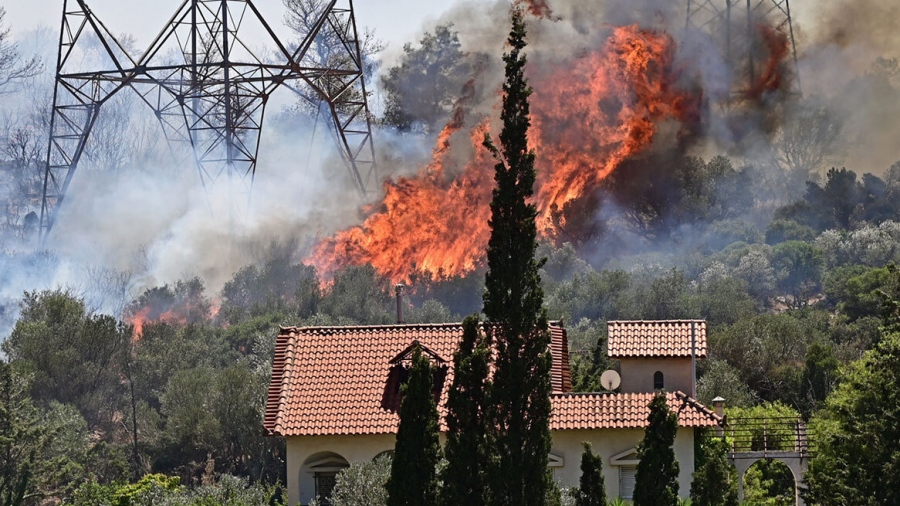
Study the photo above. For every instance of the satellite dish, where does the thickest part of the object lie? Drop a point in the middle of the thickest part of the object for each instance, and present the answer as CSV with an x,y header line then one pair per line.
x,y
610,380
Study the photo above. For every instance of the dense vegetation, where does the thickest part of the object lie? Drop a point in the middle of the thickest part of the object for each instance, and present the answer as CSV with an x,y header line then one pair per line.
x,y
795,282
790,306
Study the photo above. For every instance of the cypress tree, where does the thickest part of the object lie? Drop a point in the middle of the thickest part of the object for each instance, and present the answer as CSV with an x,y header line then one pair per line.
x,y
715,481
465,451
592,490
413,481
513,304
656,482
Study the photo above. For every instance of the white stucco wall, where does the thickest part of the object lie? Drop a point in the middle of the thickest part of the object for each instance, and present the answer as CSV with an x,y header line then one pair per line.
x,y
566,444
637,374
301,486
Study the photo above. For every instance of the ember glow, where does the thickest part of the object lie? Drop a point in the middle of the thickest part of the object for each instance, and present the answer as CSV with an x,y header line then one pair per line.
x,y
588,115
178,313
770,77
537,8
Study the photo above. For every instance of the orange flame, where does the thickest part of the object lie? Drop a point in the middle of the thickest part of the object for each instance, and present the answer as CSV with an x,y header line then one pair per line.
x,y
428,224
593,114
180,313
587,117
537,8
770,78
137,320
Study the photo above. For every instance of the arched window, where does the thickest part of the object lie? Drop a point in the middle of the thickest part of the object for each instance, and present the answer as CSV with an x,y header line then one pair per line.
x,y
658,383
318,476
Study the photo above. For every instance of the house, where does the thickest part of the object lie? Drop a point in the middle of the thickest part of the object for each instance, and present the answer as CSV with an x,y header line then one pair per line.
x,y
334,398
656,355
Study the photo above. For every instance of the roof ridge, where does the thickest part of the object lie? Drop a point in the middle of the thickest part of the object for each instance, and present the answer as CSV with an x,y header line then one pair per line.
x,y
699,320
687,399
376,326
295,328
285,372
599,394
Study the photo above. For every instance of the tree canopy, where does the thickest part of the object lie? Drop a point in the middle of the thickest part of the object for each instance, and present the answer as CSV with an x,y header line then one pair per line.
x,y
413,480
592,489
858,435
513,304
465,476
656,482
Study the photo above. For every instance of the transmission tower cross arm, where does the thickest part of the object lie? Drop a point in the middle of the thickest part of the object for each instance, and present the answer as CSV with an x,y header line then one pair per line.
x,y
213,102
77,97
340,82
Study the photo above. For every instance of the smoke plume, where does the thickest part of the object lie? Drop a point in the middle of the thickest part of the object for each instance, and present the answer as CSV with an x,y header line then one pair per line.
x,y
618,86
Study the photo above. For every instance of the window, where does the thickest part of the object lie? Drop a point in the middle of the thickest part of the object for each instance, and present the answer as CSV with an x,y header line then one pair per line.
x,y
626,481
318,476
325,482
399,375
658,383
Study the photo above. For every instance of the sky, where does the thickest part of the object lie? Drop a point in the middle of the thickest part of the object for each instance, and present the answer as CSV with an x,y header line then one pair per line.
x,y
395,21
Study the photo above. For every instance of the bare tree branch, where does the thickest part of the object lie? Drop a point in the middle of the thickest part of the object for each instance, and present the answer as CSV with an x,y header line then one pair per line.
x,y
12,67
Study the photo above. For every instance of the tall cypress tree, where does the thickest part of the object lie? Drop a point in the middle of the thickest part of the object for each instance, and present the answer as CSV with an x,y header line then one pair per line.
x,y
715,480
465,451
592,491
413,481
656,482
513,304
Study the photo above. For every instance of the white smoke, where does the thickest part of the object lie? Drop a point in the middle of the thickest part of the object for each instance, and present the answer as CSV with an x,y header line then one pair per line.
x,y
150,222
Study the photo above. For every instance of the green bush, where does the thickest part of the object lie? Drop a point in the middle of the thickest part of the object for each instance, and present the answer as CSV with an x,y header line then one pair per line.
x,y
162,490
363,483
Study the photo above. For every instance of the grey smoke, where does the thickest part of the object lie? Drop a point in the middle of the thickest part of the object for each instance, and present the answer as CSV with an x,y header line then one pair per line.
x,y
149,222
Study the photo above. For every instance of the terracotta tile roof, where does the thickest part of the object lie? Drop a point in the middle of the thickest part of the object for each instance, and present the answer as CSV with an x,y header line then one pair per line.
x,y
623,411
340,380
662,338
560,373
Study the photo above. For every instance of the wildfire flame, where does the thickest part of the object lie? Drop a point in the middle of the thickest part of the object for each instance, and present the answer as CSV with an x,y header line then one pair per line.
x,y
594,114
537,8
587,117
179,313
429,223
770,77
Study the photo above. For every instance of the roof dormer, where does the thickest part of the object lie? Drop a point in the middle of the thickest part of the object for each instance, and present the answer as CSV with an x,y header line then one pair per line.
x,y
398,374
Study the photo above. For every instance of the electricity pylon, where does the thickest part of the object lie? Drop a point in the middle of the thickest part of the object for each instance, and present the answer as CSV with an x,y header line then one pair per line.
x,y
734,26
208,88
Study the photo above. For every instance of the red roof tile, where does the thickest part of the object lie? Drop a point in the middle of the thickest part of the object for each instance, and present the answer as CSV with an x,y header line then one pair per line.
x,y
339,380
623,411
663,338
560,373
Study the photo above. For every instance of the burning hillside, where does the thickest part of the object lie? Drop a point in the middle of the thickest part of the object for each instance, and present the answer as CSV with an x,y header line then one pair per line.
x,y
589,114
181,304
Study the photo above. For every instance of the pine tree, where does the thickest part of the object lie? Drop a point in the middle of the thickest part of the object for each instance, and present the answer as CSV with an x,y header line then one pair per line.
x,y
715,481
513,300
656,482
413,480
466,451
592,490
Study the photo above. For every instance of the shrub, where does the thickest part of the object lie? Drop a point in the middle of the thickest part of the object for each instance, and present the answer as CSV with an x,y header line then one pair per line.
x,y
363,484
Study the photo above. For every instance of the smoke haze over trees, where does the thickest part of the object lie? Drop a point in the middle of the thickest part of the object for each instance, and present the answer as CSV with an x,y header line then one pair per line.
x,y
156,304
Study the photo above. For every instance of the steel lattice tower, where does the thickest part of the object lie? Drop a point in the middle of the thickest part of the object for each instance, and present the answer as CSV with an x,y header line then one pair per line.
x,y
208,89
733,27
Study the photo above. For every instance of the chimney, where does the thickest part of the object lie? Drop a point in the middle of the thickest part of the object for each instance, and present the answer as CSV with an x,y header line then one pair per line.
x,y
398,291
719,409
